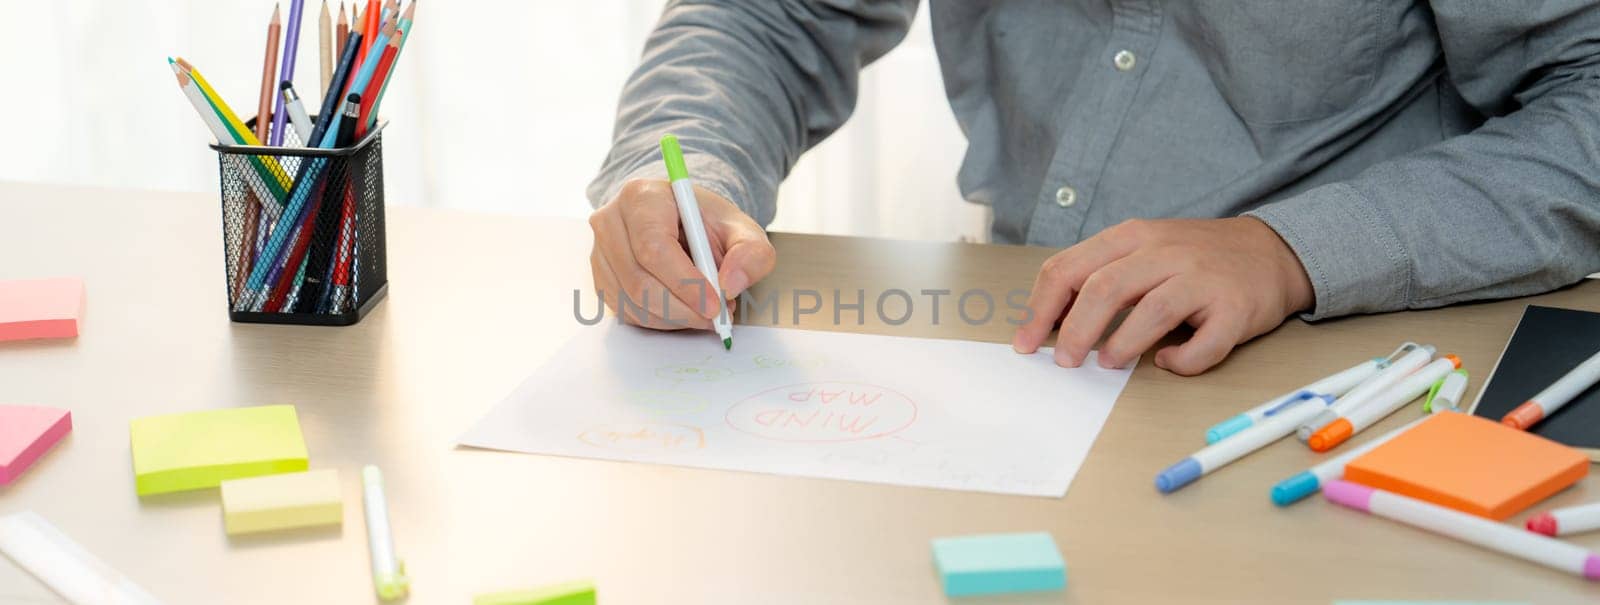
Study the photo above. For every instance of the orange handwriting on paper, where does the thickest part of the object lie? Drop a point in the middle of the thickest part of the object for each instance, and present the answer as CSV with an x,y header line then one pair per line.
x,y
641,436
823,412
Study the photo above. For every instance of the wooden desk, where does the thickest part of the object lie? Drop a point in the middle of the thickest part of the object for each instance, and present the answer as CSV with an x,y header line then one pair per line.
x,y
477,302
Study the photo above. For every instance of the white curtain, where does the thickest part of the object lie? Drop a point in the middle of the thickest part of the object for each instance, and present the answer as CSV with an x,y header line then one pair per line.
x,y
497,105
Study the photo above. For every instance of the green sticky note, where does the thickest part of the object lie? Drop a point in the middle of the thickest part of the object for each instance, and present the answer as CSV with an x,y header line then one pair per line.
x,y
580,592
999,563
196,450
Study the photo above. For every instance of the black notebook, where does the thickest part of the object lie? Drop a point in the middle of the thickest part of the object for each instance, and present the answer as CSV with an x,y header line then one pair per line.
x,y
1547,344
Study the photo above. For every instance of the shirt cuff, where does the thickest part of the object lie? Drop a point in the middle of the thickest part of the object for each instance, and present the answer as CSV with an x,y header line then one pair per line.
x,y
1356,260
705,170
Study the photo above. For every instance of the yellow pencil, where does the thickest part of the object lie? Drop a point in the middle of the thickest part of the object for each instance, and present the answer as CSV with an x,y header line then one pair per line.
x,y
242,134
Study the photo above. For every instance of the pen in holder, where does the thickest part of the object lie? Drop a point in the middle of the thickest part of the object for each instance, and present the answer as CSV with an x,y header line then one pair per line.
x,y
303,231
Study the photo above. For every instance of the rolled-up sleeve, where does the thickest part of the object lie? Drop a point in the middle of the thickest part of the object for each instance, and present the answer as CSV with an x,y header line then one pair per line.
x,y
747,87
1509,209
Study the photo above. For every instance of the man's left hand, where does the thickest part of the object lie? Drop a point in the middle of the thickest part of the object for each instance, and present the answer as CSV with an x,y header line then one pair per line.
x,y
1231,279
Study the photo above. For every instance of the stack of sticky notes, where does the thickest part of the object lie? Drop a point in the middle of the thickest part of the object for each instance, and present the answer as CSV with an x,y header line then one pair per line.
x,y
40,308
580,592
999,563
1470,464
27,432
285,501
196,450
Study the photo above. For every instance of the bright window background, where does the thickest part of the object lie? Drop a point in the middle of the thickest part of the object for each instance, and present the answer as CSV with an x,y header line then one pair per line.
x,y
499,106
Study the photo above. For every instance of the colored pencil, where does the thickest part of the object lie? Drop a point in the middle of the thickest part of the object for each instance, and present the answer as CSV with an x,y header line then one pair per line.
x,y
304,294
369,100
405,35
213,122
291,46
341,31
272,173
330,97
391,10
268,64
324,136
369,29
325,45
280,278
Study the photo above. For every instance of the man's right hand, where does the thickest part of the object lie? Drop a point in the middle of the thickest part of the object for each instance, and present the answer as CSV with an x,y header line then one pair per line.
x,y
640,253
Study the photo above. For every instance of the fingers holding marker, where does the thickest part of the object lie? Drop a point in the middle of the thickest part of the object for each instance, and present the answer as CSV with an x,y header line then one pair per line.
x,y
644,290
748,259
639,298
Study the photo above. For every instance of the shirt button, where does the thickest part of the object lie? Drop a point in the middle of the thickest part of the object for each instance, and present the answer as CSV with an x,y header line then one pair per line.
x,y
1124,60
1066,197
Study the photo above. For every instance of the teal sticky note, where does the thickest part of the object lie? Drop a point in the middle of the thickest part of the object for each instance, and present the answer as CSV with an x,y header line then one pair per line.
x,y
998,563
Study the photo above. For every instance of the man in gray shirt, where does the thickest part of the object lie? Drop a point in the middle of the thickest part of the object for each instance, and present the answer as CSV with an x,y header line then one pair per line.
x,y
1220,163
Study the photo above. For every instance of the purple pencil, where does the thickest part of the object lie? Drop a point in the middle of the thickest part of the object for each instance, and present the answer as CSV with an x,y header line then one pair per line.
x,y
291,44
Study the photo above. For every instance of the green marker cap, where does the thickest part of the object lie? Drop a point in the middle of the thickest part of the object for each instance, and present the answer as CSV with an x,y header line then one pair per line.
x,y
673,156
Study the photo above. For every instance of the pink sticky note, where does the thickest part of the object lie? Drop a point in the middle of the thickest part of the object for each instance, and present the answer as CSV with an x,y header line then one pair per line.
x,y
40,308
27,432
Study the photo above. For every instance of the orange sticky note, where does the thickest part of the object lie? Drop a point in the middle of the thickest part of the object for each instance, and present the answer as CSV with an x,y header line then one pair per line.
x,y
1470,464
40,308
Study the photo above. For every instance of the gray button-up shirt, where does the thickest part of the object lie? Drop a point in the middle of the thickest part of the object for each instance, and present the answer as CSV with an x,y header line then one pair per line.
x,y
1411,153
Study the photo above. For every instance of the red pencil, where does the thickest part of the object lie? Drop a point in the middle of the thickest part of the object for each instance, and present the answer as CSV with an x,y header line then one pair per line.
x,y
343,253
369,98
280,291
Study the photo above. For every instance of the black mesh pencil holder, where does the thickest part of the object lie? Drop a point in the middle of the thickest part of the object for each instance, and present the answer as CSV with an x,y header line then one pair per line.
x,y
303,231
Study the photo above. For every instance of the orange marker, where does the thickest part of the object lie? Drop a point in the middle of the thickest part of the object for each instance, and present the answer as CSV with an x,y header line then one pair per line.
x,y
1553,397
1414,385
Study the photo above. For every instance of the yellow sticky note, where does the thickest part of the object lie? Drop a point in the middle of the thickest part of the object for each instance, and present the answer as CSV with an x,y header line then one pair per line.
x,y
580,592
282,501
196,450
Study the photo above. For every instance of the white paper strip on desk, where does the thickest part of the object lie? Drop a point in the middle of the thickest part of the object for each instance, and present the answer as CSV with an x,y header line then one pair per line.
x,y
903,411
79,577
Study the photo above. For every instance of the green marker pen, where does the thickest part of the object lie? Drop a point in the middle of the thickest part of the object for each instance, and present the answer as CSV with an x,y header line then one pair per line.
x,y
694,230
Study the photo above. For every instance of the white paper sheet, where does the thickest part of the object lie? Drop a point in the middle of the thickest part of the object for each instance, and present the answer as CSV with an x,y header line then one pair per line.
x,y
904,411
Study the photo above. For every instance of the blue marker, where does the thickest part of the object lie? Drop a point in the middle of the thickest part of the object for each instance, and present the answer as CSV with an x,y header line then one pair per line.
x,y
1309,481
1335,385
1212,457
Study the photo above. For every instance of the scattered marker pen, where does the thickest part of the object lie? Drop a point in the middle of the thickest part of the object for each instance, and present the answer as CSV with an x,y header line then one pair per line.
x,y
1411,356
1219,454
1307,482
1382,405
1447,392
1553,397
1566,521
694,231
1466,528
388,571
1335,385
